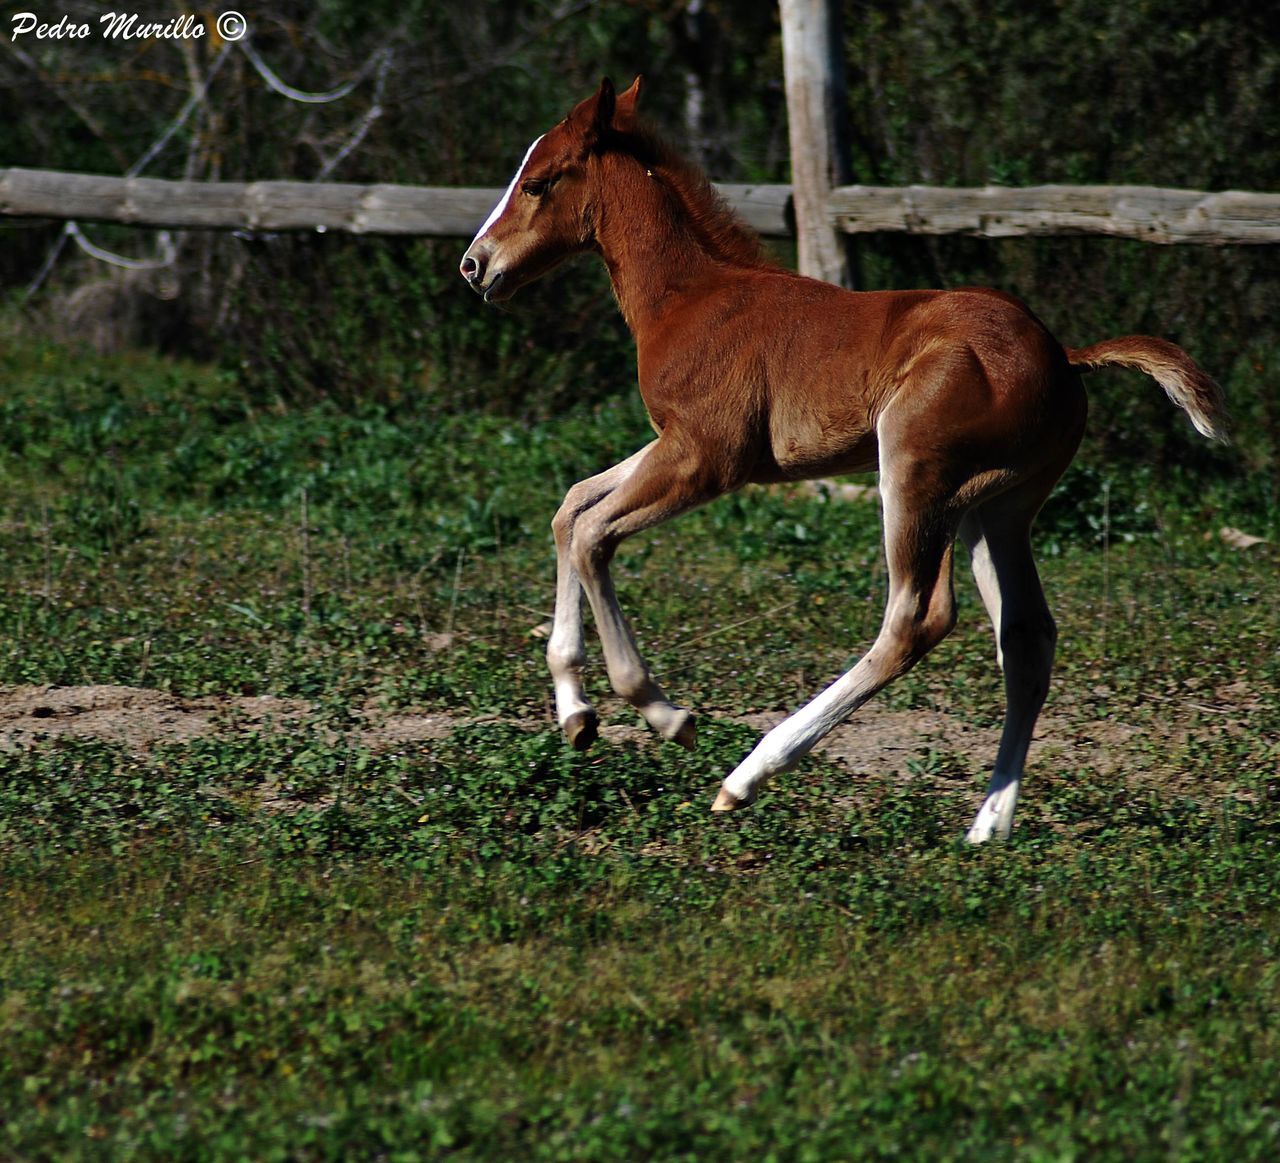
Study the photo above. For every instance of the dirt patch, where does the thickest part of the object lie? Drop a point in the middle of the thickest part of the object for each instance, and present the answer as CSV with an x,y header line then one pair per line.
x,y
876,741
881,741
139,719
129,716
900,742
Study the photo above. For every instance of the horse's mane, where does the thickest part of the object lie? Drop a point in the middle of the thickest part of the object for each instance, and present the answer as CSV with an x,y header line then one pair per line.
x,y
704,211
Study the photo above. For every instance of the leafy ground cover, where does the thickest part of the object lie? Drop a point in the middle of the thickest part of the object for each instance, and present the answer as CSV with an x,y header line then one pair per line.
x,y
294,940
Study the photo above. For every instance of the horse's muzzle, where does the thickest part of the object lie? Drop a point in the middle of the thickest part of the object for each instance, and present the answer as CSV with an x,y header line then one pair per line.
x,y
474,268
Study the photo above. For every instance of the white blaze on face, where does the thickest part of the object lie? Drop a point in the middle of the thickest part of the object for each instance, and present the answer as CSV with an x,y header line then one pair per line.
x,y
497,211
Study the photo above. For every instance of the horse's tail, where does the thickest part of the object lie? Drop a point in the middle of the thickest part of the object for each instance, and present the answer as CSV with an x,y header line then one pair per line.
x,y
1185,382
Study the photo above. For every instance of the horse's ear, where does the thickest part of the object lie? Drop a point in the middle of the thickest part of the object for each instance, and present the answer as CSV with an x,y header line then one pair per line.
x,y
594,116
606,103
627,102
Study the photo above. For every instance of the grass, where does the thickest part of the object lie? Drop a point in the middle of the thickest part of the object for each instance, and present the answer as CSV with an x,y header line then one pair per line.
x,y
294,944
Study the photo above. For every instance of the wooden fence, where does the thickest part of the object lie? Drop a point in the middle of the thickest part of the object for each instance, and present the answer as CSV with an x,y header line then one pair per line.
x,y
431,211
1147,213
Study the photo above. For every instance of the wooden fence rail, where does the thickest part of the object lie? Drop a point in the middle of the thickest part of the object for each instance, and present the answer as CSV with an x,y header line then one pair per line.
x,y
1148,213
431,211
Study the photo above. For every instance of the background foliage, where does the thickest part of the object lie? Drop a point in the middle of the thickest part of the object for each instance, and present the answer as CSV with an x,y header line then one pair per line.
x,y
959,92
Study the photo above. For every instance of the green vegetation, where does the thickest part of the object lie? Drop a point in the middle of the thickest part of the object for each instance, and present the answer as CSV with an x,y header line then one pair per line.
x,y
318,931
305,942
956,92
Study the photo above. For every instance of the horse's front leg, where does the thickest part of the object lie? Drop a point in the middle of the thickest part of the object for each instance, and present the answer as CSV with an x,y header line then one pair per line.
x,y
629,673
566,650
664,481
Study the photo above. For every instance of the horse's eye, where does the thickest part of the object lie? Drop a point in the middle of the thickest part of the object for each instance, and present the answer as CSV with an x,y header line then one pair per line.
x,y
535,187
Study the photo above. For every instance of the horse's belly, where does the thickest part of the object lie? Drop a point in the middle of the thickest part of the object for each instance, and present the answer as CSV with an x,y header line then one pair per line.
x,y
815,449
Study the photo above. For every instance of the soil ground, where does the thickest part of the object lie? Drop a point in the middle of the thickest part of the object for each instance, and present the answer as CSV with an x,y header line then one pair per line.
x,y
875,740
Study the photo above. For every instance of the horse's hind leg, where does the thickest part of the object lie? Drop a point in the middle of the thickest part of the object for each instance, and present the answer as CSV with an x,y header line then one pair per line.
x,y
919,531
566,651
998,536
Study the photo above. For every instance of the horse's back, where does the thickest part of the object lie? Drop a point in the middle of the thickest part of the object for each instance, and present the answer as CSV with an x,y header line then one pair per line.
x,y
971,367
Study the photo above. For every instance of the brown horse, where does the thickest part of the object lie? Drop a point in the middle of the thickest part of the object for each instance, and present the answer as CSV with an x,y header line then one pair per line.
x,y
962,400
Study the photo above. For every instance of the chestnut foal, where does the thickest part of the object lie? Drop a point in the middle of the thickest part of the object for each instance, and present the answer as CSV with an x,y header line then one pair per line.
x,y
962,400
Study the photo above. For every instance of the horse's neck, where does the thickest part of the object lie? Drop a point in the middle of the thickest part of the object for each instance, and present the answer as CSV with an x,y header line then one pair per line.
x,y
652,252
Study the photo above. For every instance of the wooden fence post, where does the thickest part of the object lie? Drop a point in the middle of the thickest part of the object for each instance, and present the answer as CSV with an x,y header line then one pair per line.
x,y
813,65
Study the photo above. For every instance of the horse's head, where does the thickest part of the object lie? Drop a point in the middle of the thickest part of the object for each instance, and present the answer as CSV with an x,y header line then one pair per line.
x,y
547,213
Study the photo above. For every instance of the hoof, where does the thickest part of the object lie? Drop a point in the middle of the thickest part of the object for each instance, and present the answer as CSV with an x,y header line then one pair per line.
x,y
687,736
582,728
984,835
727,802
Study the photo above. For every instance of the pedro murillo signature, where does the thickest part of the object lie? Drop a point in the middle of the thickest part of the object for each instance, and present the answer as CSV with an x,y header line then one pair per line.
x,y
125,26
